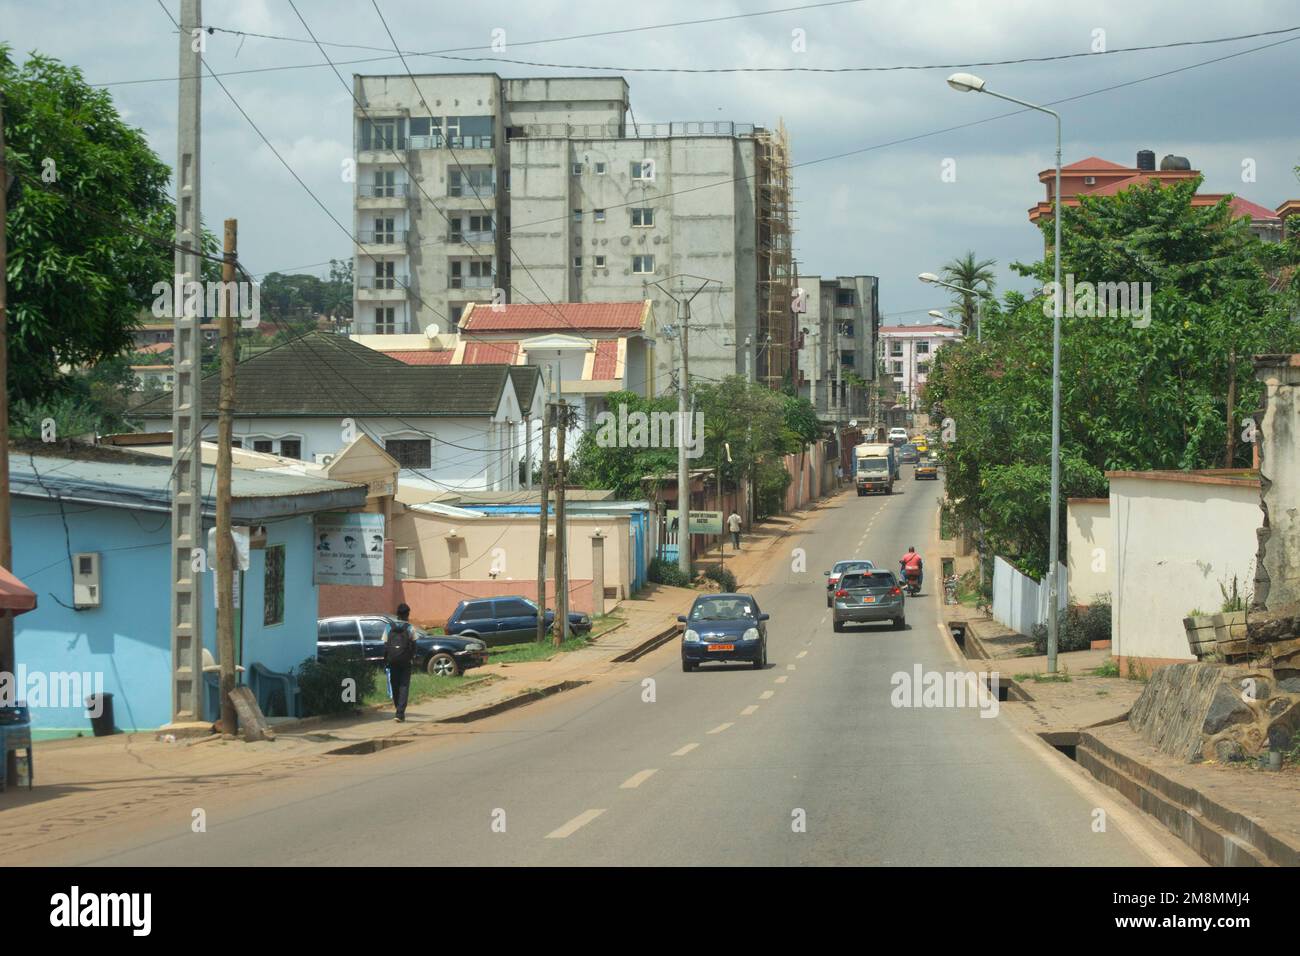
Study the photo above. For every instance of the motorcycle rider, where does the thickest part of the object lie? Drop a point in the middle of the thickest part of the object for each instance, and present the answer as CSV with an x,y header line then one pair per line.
x,y
911,566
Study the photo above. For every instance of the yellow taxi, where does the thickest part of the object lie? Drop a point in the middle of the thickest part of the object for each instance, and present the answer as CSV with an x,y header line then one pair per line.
x,y
927,467
922,444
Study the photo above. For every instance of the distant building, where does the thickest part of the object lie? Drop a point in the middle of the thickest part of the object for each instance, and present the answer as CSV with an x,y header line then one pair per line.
x,y
1101,177
838,332
908,351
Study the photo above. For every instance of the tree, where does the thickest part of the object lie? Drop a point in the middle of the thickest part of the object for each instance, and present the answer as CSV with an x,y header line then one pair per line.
x,y
1134,396
968,273
88,191
598,462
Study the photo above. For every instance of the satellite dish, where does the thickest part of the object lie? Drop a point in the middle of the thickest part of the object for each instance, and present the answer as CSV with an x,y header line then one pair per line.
x,y
431,331
853,423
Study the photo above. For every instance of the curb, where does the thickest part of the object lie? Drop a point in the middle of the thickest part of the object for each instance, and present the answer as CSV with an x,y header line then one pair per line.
x,y
510,703
645,647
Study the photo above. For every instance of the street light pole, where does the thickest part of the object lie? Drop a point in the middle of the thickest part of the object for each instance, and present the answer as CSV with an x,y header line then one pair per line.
x,y
933,279
967,83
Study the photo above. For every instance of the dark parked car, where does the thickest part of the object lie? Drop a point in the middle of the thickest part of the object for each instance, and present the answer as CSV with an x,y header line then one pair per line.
x,y
869,596
724,627
506,620
909,454
362,636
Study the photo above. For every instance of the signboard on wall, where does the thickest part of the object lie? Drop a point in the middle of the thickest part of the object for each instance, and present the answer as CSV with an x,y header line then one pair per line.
x,y
700,522
349,549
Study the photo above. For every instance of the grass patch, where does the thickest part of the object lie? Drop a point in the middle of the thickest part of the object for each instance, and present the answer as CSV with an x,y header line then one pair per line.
x,y
1108,669
1060,677
1022,677
426,686
533,651
1027,650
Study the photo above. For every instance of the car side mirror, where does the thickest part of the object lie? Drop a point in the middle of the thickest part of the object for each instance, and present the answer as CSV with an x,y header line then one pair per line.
x,y
764,617
826,574
681,618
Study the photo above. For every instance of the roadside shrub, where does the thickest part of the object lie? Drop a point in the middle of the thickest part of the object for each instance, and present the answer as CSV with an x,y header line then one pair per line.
x,y
667,572
323,685
726,580
1079,627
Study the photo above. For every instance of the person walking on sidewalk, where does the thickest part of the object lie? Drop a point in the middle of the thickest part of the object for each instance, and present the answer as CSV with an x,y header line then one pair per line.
x,y
399,652
733,525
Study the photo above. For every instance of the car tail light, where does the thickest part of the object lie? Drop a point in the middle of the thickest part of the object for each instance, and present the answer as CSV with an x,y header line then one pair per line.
x,y
841,593
896,591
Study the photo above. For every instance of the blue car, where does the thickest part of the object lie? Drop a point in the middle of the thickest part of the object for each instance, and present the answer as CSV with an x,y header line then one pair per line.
x,y
724,627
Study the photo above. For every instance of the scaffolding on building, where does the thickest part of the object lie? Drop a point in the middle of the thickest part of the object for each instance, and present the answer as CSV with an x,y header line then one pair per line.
x,y
777,345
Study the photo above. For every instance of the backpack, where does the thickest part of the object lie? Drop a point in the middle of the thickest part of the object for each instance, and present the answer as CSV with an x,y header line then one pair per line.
x,y
399,645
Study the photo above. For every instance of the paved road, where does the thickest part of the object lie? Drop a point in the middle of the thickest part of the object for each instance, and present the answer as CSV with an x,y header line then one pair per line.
x,y
720,768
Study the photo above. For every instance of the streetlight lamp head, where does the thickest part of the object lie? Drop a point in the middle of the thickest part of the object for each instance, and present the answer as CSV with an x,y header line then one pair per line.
x,y
936,314
966,83
928,277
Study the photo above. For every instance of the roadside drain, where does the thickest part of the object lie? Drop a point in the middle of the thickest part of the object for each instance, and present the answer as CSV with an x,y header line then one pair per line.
x,y
1062,741
367,747
511,703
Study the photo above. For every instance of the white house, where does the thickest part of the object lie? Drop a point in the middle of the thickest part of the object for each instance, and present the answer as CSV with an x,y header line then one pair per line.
x,y
448,427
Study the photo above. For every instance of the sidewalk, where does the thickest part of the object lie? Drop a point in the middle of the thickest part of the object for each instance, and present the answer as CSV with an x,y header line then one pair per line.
x,y
91,782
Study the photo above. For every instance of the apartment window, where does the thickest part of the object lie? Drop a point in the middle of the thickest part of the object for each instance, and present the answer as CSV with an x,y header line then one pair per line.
x,y
469,132
410,452
273,586
923,348
236,443
577,263
426,132
471,182
291,448
384,183
385,321
505,179
895,348
643,216
600,262
844,297
598,215
456,311
264,445
577,215
847,359
384,278
577,169
383,134
898,368
923,368
644,170
643,264
384,231
600,169
402,562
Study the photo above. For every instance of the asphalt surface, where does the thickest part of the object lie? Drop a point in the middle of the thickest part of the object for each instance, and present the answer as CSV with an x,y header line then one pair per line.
x,y
805,762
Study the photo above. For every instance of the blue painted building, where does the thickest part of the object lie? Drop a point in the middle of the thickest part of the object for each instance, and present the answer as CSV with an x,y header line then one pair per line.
x,y
115,505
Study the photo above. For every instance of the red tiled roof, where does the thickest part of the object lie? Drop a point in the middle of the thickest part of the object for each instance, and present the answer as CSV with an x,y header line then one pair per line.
x,y
561,317
1094,162
914,329
490,353
422,356
605,365
154,349
1244,207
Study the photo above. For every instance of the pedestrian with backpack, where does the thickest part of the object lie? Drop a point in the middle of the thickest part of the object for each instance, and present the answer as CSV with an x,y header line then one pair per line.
x,y
399,652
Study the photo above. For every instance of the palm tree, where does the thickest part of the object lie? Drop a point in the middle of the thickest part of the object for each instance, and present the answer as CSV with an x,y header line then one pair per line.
x,y
968,273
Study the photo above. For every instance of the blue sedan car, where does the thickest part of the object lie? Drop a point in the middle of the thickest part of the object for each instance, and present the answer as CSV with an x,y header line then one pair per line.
x,y
724,627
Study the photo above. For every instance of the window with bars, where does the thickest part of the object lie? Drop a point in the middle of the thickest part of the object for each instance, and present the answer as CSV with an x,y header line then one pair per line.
x,y
273,586
410,452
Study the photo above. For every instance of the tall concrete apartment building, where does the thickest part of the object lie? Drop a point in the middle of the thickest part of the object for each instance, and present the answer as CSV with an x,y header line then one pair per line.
x,y
474,188
840,326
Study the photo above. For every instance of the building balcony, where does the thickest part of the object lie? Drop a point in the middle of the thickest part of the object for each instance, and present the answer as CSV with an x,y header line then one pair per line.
x,y
390,242
482,237
471,282
469,191
381,288
370,196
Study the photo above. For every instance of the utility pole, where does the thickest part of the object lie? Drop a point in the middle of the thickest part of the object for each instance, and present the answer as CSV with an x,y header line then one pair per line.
x,y
187,418
225,570
1232,402
541,530
8,664
560,633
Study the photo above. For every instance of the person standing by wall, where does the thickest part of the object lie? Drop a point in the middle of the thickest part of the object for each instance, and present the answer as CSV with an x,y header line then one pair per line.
x,y
399,652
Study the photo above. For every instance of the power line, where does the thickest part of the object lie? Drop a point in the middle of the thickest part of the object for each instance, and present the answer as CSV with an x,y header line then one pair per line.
x,y
464,49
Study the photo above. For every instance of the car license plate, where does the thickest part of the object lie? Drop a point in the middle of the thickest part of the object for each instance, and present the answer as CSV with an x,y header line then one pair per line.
x,y
722,647
868,600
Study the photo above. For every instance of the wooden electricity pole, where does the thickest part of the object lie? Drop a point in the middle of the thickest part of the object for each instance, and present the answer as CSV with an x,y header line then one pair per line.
x,y
7,663
225,434
542,521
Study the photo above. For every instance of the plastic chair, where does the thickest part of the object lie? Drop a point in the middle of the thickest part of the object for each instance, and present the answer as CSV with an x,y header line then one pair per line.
x,y
273,687
15,734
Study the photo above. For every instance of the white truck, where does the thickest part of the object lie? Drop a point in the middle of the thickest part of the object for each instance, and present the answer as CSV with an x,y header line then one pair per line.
x,y
874,467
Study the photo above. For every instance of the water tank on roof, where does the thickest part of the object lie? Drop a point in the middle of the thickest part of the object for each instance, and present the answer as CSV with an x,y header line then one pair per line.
x,y
1146,160
1175,162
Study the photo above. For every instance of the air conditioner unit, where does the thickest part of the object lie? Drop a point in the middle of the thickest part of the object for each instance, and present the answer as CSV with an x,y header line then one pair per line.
x,y
85,579
321,459
1090,180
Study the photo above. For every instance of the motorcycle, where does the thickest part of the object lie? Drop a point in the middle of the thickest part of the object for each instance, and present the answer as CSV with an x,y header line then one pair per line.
x,y
912,578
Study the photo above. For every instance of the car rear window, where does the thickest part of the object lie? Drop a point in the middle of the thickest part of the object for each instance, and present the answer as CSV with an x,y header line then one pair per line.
x,y
872,579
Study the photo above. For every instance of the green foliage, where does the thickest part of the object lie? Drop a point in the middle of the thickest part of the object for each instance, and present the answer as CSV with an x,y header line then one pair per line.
x,y
1235,598
969,273
1079,627
79,270
597,463
323,684
292,301
726,580
1132,398
770,488
667,572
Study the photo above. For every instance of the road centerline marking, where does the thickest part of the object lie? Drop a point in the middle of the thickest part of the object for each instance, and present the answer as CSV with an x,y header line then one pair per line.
x,y
683,751
577,823
749,710
638,778
801,654
721,727
782,679
766,694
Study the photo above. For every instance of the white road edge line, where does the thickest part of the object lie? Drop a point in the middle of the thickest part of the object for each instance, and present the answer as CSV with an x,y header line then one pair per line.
x,y
577,823
683,751
638,778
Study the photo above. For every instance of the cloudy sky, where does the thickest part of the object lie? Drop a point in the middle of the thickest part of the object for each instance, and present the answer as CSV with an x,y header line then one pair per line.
x,y
870,147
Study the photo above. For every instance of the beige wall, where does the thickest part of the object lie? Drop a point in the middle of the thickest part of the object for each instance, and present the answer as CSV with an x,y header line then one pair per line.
x,y
1087,524
511,542
1173,542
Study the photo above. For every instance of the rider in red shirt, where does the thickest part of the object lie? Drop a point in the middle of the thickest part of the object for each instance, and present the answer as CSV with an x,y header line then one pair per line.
x,y
911,565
